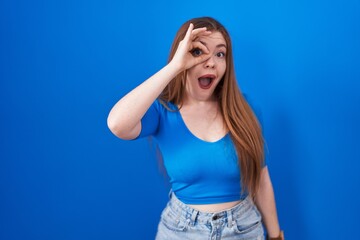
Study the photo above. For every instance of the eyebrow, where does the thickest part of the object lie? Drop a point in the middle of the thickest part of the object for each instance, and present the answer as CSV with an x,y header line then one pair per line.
x,y
217,46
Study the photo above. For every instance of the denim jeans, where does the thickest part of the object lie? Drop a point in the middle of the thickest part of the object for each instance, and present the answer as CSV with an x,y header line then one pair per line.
x,y
179,221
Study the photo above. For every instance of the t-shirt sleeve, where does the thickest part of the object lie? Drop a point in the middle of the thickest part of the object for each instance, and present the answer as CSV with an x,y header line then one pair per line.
x,y
150,121
257,111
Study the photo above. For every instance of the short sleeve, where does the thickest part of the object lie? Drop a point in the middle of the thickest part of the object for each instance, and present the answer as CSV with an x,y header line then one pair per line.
x,y
150,121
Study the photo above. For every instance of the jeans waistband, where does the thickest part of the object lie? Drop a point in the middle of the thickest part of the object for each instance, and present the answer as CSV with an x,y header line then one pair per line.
x,y
192,215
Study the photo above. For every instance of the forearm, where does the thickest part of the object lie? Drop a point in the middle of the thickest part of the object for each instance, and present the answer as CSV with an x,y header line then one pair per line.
x,y
124,119
126,114
265,201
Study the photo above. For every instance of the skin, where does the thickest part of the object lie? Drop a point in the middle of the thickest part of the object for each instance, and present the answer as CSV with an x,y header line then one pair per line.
x,y
265,202
200,110
214,65
124,119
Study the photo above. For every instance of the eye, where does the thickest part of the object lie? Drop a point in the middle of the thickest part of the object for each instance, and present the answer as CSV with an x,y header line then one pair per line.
x,y
221,54
196,52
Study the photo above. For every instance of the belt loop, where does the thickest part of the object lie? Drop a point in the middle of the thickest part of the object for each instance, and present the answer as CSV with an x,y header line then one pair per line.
x,y
229,218
193,216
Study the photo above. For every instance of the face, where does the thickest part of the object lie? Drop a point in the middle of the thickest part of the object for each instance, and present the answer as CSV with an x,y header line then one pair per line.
x,y
202,79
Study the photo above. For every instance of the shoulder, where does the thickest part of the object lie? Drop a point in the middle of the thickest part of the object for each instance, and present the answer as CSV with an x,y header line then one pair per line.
x,y
165,105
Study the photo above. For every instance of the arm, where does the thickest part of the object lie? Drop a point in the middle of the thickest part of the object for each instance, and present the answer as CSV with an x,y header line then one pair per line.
x,y
124,119
265,201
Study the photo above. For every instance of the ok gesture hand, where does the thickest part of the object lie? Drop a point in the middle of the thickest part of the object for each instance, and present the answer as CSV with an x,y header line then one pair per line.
x,y
190,52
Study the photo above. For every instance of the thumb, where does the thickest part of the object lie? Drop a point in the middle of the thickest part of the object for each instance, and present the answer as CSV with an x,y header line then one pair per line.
x,y
203,58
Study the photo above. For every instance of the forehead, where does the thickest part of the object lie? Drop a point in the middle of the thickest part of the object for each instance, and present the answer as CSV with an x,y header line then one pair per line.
x,y
215,38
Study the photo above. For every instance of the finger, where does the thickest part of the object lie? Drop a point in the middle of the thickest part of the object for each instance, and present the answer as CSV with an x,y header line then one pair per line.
x,y
202,58
188,32
206,33
199,32
200,46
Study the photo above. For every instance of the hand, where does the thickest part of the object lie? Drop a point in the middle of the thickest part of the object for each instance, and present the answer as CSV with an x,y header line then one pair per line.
x,y
190,52
280,237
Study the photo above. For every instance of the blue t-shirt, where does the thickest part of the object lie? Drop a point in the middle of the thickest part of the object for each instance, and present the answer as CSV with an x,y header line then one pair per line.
x,y
200,172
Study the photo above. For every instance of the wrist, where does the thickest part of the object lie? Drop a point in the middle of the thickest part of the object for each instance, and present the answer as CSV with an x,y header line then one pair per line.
x,y
174,66
279,237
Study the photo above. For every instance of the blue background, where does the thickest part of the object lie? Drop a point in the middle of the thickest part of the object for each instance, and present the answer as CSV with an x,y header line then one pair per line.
x,y
64,64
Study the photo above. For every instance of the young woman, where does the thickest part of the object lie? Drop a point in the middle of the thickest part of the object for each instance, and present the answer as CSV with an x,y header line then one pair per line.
x,y
210,140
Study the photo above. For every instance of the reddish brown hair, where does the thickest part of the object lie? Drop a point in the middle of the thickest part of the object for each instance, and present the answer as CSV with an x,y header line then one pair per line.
x,y
239,118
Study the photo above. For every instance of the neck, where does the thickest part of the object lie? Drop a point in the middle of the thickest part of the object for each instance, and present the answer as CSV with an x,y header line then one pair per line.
x,y
188,101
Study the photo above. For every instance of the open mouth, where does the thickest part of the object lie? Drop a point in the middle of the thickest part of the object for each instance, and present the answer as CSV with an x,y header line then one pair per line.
x,y
206,81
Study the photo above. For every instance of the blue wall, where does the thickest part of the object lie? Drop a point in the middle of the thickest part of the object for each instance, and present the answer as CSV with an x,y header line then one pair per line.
x,y
63,64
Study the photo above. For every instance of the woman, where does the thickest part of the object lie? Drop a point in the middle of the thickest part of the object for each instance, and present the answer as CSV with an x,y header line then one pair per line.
x,y
210,140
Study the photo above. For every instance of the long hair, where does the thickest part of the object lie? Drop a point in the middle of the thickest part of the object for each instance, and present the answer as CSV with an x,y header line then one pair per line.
x,y
240,120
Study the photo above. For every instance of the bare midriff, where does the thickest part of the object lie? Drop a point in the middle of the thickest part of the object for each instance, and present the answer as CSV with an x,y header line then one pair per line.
x,y
212,208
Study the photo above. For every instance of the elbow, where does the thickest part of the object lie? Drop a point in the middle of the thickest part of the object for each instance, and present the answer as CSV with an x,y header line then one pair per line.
x,y
113,126
120,130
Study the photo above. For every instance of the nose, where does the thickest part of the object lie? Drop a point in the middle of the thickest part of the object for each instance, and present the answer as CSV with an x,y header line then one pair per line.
x,y
210,63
